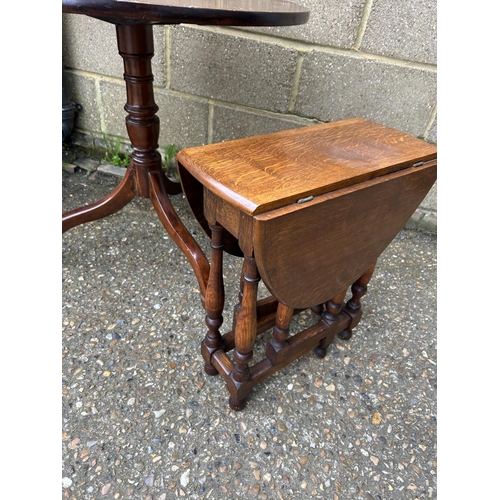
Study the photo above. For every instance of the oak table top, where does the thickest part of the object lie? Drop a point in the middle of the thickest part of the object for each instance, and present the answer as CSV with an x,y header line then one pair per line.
x,y
265,172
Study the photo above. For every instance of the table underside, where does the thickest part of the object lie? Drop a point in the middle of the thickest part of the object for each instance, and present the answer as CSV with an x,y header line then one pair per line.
x,y
203,12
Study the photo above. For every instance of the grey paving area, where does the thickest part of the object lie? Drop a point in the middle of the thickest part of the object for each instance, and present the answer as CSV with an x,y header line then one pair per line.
x,y
142,420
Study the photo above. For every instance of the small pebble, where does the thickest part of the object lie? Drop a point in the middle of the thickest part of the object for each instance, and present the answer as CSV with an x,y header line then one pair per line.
x,y
74,444
255,489
185,478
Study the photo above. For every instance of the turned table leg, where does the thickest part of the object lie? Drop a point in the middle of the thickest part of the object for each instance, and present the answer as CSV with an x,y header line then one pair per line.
x,y
214,301
281,329
330,316
353,306
246,331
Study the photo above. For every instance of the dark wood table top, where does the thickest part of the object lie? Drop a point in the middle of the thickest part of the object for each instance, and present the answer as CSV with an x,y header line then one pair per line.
x,y
205,12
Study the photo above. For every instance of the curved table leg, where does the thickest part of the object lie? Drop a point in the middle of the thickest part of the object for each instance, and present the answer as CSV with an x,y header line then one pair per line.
x,y
178,232
116,200
145,178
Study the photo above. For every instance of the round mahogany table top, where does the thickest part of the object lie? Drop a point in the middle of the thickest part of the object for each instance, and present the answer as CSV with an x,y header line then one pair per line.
x,y
206,12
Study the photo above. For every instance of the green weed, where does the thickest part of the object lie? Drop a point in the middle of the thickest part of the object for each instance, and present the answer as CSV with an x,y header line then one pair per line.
x,y
113,155
169,166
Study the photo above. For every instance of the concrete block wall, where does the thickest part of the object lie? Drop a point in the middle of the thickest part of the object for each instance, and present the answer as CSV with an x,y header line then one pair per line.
x,y
371,58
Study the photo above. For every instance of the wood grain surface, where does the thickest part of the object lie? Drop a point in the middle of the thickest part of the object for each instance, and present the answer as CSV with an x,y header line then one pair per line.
x,y
265,172
308,254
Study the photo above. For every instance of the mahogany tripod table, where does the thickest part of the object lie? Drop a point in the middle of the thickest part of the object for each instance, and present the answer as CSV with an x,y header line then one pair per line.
x,y
144,176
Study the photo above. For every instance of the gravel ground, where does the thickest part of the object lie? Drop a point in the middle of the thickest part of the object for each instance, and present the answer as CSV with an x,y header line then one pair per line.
x,y
142,420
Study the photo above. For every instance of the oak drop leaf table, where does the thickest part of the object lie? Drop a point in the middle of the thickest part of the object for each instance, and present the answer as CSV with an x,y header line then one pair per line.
x,y
310,210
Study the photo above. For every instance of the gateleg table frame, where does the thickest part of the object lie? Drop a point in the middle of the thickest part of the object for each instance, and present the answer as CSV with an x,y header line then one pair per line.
x,y
311,209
